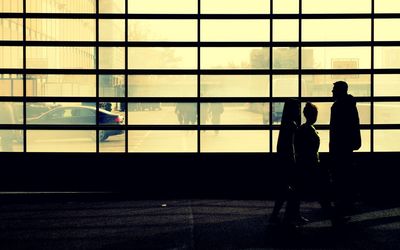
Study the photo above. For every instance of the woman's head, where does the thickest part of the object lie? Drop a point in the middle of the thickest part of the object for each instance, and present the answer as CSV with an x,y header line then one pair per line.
x,y
291,111
310,112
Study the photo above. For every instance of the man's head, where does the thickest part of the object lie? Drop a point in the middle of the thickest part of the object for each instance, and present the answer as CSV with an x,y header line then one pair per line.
x,y
339,89
310,112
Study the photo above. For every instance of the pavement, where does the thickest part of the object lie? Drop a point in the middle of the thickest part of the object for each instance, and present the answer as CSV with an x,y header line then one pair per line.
x,y
37,222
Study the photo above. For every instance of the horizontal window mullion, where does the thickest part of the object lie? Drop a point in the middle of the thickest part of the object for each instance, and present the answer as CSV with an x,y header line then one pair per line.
x,y
387,126
362,127
195,16
187,99
11,126
61,127
172,127
234,127
73,127
329,99
195,44
204,71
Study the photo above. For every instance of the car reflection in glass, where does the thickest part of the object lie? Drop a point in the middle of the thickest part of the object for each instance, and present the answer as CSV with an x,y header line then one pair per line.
x,y
80,115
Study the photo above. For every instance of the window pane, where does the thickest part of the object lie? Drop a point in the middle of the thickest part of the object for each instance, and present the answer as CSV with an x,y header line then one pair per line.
x,y
162,58
336,30
111,30
285,85
286,58
383,30
11,5
234,113
234,141
324,112
11,85
114,141
11,57
387,113
11,140
112,85
61,29
234,86
11,113
60,57
235,58
285,30
61,6
162,86
365,141
336,58
162,141
321,85
387,57
387,85
61,140
61,113
337,6
61,85
112,6
163,7
277,109
162,113
234,7
162,30
286,7
387,6
11,29
386,140
235,30
112,58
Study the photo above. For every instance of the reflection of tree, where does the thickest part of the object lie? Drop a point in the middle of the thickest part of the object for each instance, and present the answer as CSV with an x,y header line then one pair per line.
x,y
152,57
136,32
259,58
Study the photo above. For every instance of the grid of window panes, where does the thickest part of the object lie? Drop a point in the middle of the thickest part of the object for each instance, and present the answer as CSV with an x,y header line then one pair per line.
x,y
191,75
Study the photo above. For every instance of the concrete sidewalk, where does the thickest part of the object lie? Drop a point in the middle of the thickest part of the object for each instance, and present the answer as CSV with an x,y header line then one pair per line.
x,y
185,224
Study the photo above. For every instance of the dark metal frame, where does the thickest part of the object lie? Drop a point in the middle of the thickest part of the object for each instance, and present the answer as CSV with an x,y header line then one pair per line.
x,y
198,71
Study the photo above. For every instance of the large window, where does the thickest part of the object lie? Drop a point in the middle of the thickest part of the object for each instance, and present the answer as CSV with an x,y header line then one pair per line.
x,y
191,75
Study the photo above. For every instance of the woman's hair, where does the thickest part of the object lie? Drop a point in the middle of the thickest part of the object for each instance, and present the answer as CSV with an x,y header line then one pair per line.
x,y
291,111
310,111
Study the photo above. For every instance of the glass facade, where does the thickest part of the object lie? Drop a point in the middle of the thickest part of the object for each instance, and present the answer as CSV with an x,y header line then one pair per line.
x,y
191,75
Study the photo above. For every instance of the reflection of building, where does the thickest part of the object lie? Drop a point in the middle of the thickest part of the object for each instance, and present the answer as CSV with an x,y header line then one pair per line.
x,y
57,57
112,85
390,57
11,85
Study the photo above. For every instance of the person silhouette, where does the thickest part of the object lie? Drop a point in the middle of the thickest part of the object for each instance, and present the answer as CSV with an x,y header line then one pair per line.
x,y
314,181
344,138
216,109
286,157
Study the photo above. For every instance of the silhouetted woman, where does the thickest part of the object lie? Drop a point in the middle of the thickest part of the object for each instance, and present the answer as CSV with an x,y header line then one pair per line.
x,y
286,158
313,180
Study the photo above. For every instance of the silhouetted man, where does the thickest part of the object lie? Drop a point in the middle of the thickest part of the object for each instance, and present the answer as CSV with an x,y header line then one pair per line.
x,y
344,137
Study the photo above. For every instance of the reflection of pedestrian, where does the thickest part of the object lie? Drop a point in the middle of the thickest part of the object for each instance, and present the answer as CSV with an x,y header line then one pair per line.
x,y
204,113
108,106
287,161
7,117
216,110
344,137
313,179
186,113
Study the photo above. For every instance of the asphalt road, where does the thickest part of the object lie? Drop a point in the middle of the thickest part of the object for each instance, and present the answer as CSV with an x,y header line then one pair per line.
x,y
40,223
